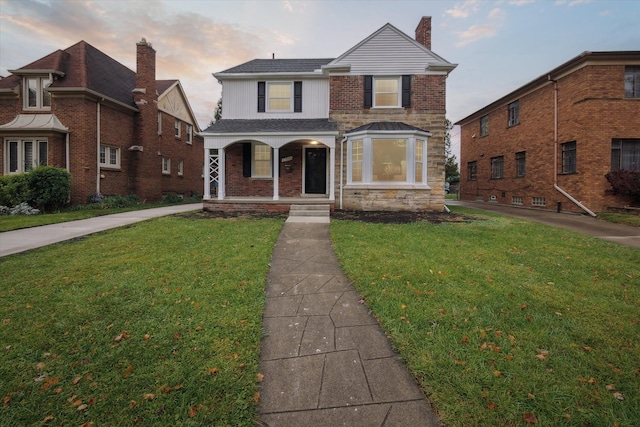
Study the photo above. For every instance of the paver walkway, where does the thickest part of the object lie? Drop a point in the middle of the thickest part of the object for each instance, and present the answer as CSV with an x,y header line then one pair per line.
x,y
325,360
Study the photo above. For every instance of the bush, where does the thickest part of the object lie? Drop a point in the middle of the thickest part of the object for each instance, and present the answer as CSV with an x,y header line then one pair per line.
x,y
14,189
49,187
172,198
98,201
21,209
625,183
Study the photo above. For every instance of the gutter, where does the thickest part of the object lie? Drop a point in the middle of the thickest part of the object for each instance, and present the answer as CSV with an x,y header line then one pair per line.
x,y
341,167
555,149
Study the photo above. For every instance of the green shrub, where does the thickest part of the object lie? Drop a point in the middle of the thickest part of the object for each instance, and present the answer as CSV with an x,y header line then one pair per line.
x,y
49,187
172,198
626,183
99,201
14,189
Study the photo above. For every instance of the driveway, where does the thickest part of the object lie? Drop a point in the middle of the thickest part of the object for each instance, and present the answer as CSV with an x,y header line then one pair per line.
x,y
618,233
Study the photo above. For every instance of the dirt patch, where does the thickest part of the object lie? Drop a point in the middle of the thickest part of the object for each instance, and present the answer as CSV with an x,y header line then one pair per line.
x,y
380,217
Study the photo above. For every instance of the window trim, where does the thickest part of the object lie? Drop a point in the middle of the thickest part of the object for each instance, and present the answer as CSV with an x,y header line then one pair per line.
x,y
40,91
181,168
166,166
375,93
107,156
472,170
497,167
253,160
36,160
268,96
521,164
618,153
632,76
189,133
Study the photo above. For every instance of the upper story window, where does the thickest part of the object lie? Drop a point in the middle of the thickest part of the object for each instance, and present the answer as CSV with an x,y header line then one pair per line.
x,y
177,126
22,155
279,97
387,91
36,95
472,171
514,113
159,122
632,82
189,134
484,126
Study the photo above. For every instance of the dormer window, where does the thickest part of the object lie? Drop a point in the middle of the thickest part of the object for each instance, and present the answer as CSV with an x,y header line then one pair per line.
x,y
36,95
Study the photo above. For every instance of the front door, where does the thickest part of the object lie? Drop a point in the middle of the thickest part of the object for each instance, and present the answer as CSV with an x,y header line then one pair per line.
x,y
315,172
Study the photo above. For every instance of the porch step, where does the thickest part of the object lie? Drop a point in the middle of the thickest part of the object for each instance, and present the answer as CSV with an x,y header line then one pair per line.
x,y
309,213
309,210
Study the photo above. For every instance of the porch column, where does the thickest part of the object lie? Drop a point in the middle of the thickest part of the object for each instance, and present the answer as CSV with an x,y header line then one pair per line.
x,y
276,173
332,173
207,175
222,183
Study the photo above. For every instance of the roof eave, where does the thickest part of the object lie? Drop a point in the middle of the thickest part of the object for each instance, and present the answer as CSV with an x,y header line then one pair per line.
x,y
253,76
64,90
388,132
29,72
250,135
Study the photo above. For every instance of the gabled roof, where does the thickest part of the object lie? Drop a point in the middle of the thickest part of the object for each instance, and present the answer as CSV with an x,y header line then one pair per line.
x,y
390,45
278,66
224,126
164,85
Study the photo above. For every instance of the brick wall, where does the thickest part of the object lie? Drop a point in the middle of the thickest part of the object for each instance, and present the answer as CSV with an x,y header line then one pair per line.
x,y
591,111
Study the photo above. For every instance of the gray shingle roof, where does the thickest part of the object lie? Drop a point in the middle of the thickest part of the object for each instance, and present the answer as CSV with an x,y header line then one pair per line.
x,y
272,125
279,66
386,126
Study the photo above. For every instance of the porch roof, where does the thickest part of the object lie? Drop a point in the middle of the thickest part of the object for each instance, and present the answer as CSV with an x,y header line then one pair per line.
x,y
245,126
35,122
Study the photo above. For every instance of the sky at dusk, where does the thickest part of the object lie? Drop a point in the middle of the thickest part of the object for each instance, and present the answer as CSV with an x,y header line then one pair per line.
x,y
498,45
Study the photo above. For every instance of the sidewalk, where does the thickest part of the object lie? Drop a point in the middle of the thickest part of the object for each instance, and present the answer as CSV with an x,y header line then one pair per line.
x,y
325,360
12,242
618,233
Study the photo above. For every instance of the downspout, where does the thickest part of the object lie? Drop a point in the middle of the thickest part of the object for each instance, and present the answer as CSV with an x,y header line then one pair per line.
x,y
98,148
341,168
67,152
555,150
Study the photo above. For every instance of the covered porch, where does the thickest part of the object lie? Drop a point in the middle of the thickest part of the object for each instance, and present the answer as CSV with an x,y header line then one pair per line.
x,y
269,164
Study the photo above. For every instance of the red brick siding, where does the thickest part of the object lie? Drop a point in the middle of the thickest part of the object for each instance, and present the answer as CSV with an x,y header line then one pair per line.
x,y
591,111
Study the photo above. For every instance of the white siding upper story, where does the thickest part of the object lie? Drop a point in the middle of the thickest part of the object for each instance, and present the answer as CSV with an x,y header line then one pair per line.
x,y
240,99
389,51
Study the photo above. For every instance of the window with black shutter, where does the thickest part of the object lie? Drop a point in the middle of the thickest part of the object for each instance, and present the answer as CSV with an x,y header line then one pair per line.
x,y
297,97
368,91
406,91
261,97
246,159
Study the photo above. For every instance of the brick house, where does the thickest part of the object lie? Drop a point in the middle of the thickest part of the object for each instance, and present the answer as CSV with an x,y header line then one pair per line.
x,y
550,143
116,131
361,131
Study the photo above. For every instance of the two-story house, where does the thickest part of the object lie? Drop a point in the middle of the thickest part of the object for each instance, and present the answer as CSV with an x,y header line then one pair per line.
x,y
115,130
361,131
550,143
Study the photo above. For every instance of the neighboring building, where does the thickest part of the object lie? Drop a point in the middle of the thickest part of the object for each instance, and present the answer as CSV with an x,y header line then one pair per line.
x,y
116,131
550,143
361,131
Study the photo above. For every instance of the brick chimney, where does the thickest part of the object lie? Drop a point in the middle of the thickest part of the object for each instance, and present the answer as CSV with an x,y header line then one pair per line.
x,y
423,32
145,162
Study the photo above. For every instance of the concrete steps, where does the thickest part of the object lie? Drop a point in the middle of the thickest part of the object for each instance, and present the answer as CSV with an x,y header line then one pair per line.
x,y
309,213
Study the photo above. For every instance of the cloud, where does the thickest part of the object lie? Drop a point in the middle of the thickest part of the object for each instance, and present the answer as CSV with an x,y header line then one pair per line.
x,y
481,31
288,6
463,10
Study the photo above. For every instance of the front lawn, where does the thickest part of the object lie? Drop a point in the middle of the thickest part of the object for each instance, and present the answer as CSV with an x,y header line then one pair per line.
x,y
504,321
156,324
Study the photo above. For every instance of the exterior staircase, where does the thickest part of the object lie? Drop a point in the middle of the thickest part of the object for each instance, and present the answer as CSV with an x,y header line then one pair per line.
x,y
309,213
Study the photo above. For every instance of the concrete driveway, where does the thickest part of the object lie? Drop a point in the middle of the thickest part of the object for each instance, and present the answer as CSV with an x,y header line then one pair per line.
x,y
618,233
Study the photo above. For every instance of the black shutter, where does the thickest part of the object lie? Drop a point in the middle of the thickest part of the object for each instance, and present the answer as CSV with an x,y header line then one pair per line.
x,y
368,91
406,91
246,159
297,97
261,97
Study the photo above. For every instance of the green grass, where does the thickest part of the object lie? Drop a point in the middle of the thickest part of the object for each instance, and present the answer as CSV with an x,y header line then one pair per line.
x,y
155,324
473,308
619,218
15,222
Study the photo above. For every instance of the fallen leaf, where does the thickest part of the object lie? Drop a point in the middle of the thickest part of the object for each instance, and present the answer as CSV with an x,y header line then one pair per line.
x,y
148,396
199,328
459,362
40,365
498,333
47,418
91,401
497,373
618,396
213,371
72,398
6,400
531,395
529,418
465,340
256,397
610,387
132,404
491,406
541,356
89,424
82,407
442,311
176,336
76,380
76,403
235,356
57,390
403,306
582,380
49,382
592,381
259,377
165,389
523,307
127,372
146,337
585,348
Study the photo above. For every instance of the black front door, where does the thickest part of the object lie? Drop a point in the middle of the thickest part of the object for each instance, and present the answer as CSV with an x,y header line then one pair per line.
x,y
315,173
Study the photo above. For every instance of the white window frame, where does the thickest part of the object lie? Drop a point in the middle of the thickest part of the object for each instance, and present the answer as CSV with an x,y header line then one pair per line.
x,y
268,96
181,168
36,160
189,133
410,161
109,152
398,80
159,122
166,166
41,87
178,128
254,161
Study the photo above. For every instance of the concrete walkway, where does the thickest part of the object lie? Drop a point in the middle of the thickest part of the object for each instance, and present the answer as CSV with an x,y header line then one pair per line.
x,y
325,360
12,242
618,233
